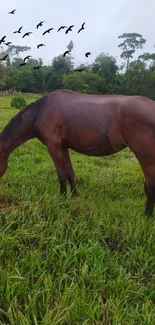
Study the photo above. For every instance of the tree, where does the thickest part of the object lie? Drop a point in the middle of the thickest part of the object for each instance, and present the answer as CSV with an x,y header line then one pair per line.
x,y
96,83
14,50
138,79
55,81
70,46
16,63
117,86
105,65
62,64
40,61
147,57
2,76
23,80
75,82
132,42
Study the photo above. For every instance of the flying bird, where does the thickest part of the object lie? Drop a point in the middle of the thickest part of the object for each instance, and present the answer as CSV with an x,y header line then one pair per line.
x,y
2,39
8,43
87,54
27,57
62,27
40,45
37,68
22,64
27,34
40,24
69,29
47,31
4,58
12,12
66,52
18,31
82,27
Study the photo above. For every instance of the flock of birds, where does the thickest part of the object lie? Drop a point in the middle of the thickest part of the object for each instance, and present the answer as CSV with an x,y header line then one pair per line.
x,y
40,24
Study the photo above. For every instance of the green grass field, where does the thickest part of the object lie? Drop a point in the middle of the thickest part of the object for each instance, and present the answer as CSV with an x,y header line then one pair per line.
x,y
89,260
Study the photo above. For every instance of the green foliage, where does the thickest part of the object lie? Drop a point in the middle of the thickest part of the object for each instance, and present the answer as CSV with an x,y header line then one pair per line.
x,y
106,67
96,84
102,76
131,43
118,85
138,79
90,260
2,84
62,64
14,50
75,82
18,102
147,56
55,81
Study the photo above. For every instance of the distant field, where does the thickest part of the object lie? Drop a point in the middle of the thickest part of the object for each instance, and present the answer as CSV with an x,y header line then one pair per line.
x,y
89,260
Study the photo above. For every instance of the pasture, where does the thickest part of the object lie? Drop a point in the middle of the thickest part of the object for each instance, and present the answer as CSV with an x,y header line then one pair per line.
x,y
83,261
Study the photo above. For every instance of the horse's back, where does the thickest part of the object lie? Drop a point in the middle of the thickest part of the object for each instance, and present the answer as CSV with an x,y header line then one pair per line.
x,y
79,108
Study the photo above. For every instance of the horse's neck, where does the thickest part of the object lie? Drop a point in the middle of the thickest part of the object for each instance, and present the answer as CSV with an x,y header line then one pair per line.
x,y
17,131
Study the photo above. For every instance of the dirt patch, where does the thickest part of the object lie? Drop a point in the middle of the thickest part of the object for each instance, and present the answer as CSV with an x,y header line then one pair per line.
x,y
4,207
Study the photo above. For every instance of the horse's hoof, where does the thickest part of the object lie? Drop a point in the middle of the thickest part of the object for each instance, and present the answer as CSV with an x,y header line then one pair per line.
x,y
74,194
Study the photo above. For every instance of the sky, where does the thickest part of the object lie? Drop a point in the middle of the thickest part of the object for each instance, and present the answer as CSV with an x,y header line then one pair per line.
x,y
104,22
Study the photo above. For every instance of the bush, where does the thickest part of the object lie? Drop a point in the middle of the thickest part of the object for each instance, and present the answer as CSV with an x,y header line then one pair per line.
x,y
18,102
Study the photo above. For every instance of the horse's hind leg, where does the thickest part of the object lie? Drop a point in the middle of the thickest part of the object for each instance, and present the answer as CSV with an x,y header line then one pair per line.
x,y
70,172
148,167
143,145
55,151
150,193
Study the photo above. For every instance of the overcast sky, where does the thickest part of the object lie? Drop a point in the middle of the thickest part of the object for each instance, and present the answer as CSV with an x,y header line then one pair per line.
x,y
104,21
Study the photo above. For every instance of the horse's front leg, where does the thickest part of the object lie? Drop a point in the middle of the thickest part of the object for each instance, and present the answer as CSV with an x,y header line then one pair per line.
x,y
55,151
70,172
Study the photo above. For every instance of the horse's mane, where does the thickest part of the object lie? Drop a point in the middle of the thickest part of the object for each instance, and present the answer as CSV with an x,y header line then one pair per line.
x,y
15,123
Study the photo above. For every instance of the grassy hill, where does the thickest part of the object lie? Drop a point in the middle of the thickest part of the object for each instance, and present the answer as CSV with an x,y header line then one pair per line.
x,y
89,260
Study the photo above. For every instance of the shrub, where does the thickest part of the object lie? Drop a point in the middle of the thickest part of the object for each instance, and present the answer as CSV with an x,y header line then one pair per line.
x,y
18,102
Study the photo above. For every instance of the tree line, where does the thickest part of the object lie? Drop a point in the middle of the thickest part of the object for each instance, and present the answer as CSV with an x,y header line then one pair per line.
x,y
103,76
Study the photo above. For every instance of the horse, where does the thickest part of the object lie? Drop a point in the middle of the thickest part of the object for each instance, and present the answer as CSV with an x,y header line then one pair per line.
x,y
94,125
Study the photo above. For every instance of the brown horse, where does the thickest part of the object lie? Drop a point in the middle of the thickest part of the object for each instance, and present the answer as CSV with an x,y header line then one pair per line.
x,y
95,125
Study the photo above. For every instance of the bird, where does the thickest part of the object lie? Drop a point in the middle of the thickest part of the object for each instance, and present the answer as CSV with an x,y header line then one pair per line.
x,y
82,27
69,29
8,43
22,64
18,31
27,57
12,12
47,31
66,52
87,54
4,58
40,24
62,27
27,34
37,68
2,39
40,45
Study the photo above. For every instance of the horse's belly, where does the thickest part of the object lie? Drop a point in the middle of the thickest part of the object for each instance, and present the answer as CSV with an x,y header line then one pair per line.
x,y
94,144
98,151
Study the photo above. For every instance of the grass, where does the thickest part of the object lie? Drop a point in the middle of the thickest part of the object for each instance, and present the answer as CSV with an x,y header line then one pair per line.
x,y
83,261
